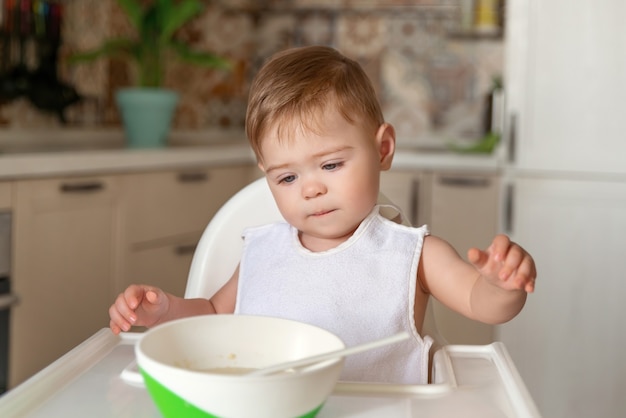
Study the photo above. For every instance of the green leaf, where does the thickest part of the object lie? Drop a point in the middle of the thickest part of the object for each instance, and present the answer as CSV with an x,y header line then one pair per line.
x,y
156,22
204,59
484,146
112,47
133,10
165,9
150,28
177,16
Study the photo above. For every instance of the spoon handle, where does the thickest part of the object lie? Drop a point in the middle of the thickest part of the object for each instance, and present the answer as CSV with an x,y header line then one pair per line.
x,y
330,355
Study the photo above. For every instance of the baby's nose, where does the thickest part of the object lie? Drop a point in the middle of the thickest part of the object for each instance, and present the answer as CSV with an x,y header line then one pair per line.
x,y
313,188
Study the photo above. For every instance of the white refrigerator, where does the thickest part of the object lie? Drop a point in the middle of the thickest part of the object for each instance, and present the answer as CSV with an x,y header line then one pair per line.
x,y
565,200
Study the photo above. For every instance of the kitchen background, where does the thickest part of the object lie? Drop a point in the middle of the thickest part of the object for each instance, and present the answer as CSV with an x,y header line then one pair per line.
x,y
430,67
557,185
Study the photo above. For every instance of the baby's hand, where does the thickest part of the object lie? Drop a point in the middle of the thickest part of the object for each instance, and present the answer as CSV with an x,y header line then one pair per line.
x,y
505,264
139,305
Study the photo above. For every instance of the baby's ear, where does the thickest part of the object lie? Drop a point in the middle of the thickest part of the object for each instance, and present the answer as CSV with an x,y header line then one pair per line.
x,y
386,143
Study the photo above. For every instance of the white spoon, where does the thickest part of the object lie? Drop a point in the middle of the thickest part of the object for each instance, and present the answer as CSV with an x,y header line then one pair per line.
x,y
330,355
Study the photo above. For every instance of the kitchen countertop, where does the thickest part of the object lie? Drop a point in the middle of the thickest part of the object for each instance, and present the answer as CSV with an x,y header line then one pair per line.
x,y
27,155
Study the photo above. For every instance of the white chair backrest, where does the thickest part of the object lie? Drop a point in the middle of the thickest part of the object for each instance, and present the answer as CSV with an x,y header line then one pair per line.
x,y
219,249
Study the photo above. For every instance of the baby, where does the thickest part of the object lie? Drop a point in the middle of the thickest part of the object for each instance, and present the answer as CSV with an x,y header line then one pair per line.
x,y
340,261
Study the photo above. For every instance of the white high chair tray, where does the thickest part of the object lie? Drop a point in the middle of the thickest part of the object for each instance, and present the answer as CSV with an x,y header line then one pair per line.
x,y
472,381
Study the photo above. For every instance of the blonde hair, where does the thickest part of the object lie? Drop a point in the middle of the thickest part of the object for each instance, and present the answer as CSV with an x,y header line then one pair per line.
x,y
295,86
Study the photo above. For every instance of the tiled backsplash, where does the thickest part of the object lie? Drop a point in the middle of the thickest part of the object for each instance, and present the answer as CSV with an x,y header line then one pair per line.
x,y
430,80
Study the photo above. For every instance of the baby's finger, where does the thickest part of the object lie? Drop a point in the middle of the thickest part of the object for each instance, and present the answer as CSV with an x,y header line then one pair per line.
x,y
153,297
118,322
114,327
477,257
125,307
133,296
511,263
524,277
499,247
528,270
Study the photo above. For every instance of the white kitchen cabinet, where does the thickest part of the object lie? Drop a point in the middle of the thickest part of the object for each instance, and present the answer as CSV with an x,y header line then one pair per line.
x,y
64,234
565,85
568,341
460,207
163,215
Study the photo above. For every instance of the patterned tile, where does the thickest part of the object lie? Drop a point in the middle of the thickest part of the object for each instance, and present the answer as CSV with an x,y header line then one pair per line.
x,y
450,78
24,116
319,4
315,28
274,32
416,33
407,96
226,113
361,34
224,32
86,23
427,82
410,123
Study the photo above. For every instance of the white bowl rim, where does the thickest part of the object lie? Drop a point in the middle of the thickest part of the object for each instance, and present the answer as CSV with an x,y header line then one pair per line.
x,y
227,377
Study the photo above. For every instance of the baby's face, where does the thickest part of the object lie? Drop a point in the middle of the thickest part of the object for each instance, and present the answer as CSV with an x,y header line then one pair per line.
x,y
326,182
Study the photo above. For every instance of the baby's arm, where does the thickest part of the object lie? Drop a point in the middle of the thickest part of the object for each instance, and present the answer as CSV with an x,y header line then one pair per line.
x,y
491,288
142,305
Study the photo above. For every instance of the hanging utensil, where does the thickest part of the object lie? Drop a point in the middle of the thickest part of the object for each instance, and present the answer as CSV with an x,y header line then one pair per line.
x,y
15,82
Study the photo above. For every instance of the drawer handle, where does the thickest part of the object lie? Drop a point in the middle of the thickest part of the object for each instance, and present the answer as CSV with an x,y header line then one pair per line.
x,y
8,300
86,187
193,177
508,209
464,181
512,138
185,249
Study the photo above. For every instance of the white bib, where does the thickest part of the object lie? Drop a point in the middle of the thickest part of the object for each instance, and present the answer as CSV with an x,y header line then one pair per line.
x,y
362,290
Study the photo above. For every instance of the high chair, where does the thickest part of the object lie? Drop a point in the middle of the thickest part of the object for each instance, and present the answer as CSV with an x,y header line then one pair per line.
x,y
219,249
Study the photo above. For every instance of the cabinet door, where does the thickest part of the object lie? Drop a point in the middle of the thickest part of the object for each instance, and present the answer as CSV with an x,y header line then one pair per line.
x,y
402,187
5,195
170,203
164,215
165,266
568,342
565,83
464,212
464,208
63,240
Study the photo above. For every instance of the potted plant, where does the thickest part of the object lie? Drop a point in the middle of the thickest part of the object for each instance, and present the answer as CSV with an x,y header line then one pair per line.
x,y
147,109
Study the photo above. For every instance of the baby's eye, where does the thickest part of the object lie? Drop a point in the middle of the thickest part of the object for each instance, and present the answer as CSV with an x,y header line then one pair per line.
x,y
288,179
332,166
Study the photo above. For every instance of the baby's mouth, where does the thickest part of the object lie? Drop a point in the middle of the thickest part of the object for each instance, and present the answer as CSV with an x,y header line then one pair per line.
x,y
322,212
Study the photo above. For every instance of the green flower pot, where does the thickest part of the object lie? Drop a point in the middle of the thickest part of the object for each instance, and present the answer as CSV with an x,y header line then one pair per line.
x,y
147,115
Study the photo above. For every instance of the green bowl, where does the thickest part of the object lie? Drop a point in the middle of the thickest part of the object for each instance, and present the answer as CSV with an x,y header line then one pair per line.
x,y
185,362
